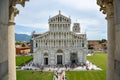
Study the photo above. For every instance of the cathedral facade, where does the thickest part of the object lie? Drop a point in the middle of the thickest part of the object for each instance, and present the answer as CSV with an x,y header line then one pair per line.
x,y
60,45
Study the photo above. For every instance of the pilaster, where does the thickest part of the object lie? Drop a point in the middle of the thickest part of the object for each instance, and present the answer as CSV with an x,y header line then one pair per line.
x,y
4,13
117,38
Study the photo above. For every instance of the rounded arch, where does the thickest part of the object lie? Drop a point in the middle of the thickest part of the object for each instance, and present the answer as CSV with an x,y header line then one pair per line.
x,y
45,54
45,51
59,51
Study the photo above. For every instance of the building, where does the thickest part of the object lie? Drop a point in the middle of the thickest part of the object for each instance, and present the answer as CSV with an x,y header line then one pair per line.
x,y
97,45
31,41
22,49
60,45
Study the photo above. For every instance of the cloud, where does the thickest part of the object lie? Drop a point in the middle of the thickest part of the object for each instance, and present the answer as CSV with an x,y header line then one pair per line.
x,y
36,25
98,34
35,15
80,4
28,33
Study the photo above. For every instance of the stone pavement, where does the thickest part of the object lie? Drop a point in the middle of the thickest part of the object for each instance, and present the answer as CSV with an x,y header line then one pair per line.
x,y
59,75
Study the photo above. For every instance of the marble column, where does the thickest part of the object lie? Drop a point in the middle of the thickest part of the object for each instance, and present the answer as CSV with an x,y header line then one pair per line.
x,y
13,11
117,39
4,13
11,52
7,40
107,7
11,42
111,48
111,41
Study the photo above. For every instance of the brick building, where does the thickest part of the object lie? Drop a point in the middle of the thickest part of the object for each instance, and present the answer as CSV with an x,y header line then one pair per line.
x,y
22,49
97,45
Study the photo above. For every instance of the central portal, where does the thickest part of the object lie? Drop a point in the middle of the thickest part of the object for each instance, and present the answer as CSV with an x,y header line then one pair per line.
x,y
46,61
59,59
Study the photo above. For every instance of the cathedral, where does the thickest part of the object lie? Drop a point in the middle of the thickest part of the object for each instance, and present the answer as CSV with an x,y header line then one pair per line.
x,y
60,45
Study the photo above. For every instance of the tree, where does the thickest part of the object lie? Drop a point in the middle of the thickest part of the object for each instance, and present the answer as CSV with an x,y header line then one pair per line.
x,y
90,47
18,43
23,45
102,41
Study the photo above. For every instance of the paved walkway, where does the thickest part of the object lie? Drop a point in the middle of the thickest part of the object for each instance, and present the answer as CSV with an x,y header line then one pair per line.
x,y
59,75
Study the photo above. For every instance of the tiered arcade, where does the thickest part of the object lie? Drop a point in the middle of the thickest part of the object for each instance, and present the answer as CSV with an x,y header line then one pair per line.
x,y
60,45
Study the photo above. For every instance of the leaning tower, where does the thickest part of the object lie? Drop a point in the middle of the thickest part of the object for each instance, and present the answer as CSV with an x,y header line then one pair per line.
x,y
76,28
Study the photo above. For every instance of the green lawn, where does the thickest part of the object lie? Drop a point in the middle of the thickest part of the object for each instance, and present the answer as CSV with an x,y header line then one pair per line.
x,y
99,60
20,60
28,75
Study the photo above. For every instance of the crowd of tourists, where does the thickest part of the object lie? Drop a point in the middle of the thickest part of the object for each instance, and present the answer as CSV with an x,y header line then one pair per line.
x,y
87,66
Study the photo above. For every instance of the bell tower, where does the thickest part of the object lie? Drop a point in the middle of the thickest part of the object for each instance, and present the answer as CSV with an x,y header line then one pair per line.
x,y
76,27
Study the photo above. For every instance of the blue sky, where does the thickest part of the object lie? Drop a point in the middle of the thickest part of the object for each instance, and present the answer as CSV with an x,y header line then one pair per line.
x,y
34,16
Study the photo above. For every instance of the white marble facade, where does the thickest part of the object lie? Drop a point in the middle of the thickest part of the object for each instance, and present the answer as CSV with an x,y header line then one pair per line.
x,y
60,45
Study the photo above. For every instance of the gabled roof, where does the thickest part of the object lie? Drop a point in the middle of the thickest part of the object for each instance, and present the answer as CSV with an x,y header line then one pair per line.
x,y
41,35
59,18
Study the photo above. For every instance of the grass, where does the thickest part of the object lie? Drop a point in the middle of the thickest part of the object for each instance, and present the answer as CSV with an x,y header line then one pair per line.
x,y
21,60
28,75
100,60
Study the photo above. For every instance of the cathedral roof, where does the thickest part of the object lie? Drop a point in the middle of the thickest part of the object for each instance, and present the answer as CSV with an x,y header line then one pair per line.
x,y
59,18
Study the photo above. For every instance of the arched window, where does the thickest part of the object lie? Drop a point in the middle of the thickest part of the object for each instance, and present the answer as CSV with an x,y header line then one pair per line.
x,y
63,25
51,20
64,35
60,19
66,25
36,44
82,44
46,43
50,24
67,20
73,43
60,43
60,25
